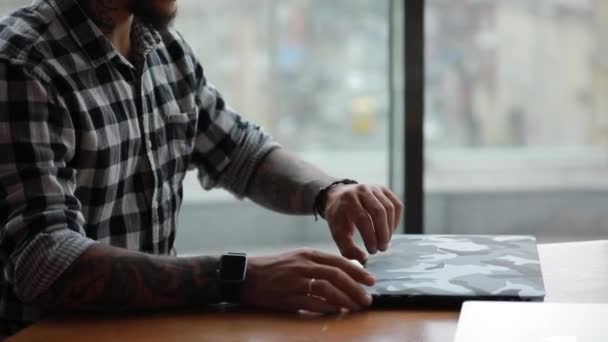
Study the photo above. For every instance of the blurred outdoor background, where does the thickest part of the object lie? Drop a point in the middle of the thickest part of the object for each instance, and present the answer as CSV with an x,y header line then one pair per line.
x,y
516,121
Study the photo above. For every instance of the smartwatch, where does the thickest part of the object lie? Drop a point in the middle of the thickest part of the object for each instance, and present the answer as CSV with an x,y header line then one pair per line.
x,y
231,274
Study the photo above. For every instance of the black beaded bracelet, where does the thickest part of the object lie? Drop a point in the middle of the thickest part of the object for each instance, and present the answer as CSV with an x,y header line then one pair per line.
x,y
318,207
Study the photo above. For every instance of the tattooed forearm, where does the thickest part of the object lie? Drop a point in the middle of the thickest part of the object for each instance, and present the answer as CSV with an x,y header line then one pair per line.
x,y
111,279
286,184
101,13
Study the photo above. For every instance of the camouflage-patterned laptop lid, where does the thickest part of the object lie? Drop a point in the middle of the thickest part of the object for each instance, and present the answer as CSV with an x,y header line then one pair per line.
x,y
458,266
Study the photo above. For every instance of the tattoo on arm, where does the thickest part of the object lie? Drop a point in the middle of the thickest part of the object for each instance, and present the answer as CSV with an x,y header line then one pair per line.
x,y
286,184
111,279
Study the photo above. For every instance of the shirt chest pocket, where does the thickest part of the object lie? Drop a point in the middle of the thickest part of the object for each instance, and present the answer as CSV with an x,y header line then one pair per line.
x,y
175,144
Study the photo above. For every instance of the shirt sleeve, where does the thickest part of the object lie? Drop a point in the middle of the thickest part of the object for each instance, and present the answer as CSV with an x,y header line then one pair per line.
x,y
41,232
228,148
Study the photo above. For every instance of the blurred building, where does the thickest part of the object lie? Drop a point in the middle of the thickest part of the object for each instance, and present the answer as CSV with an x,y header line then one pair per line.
x,y
517,73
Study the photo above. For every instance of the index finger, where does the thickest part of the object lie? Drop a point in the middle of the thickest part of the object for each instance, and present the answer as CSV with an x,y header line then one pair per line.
x,y
346,243
398,206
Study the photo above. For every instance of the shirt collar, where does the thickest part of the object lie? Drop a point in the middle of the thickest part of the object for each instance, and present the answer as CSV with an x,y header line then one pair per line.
x,y
90,38
144,39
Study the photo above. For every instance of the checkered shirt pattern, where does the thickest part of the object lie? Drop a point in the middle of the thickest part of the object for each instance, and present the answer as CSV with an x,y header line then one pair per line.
x,y
94,147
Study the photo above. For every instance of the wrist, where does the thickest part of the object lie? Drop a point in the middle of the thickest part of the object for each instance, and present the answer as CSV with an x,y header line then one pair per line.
x,y
320,201
231,274
248,288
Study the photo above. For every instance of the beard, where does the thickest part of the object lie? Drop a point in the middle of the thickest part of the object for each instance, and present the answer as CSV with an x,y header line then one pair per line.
x,y
150,15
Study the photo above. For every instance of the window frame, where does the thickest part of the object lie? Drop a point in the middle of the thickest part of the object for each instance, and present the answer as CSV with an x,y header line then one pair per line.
x,y
413,100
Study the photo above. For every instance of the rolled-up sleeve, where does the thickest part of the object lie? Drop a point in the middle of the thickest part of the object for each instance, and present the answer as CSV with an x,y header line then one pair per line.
x,y
41,231
228,148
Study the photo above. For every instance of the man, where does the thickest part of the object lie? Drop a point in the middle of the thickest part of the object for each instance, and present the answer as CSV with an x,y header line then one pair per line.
x,y
103,109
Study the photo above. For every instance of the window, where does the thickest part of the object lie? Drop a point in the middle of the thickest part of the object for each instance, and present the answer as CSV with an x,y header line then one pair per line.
x,y
9,5
515,123
314,74
516,120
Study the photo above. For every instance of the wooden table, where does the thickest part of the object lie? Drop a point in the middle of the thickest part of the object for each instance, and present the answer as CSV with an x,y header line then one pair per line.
x,y
573,272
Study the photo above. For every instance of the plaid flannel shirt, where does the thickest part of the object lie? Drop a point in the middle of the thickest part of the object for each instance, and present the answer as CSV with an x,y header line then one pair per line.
x,y
94,148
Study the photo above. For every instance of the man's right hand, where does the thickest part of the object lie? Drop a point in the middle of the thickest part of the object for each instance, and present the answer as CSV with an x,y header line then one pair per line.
x,y
283,283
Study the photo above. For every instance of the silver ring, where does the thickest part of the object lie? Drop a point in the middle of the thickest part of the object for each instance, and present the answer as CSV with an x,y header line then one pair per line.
x,y
310,286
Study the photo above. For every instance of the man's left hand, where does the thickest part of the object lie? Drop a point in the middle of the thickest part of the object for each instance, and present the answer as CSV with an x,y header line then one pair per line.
x,y
374,211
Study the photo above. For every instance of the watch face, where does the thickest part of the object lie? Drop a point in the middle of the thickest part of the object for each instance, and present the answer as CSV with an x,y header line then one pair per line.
x,y
233,267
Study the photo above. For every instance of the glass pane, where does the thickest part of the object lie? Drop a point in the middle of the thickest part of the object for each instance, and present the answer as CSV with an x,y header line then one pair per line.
x,y
9,5
314,73
516,123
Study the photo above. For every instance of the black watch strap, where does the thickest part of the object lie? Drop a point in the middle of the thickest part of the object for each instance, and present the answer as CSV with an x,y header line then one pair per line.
x,y
318,207
231,292
231,275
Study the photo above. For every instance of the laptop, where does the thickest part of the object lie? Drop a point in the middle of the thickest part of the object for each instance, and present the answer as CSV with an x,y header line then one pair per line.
x,y
446,270
532,322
